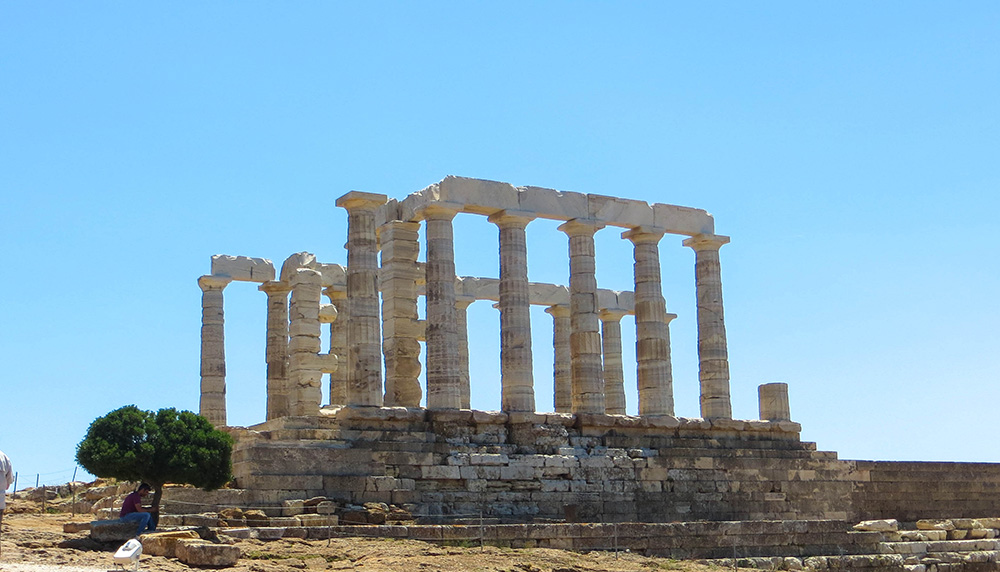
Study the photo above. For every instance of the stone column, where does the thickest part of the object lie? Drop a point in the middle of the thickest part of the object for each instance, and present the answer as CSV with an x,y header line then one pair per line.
x,y
614,376
443,378
652,345
364,357
304,373
338,345
400,323
462,304
585,339
562,363
213,350
773,402
276,351
713,354
516,378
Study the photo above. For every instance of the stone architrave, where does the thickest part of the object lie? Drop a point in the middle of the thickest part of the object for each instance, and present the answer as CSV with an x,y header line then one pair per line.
x,y
773,402
304,344
338,345
400,322
614,376
562,375
276,350
713,354
213,349
652,346
585,338
443,378
363,337
462,304
517,381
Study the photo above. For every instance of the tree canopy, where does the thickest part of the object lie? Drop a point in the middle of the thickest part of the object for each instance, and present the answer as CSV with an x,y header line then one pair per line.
x,y
167,446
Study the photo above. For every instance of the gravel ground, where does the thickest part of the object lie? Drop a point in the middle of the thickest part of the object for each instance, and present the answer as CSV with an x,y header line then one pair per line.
x,y
11,567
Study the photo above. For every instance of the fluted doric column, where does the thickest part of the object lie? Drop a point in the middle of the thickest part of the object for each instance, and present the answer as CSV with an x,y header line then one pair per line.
x,y
443,378
562,374
276,350
614,376
338,345
462,304
213,350
400,323
713,355
363,339
304,370
652,346
585,339
516,378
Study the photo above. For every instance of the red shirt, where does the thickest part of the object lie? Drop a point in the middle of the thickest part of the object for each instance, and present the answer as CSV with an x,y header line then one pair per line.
x,y
128,506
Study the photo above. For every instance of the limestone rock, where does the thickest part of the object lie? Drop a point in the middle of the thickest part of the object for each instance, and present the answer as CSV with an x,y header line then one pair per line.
x,y
966,523
935,524
164,543
112,530
231,513
203,553
878,525
242,268
294,262
255,518
72,527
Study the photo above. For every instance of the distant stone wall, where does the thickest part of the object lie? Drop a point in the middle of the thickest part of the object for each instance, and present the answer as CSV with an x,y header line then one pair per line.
x,y
910,491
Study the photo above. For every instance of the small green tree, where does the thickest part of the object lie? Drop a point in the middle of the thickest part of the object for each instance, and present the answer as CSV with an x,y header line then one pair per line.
x,y
168,446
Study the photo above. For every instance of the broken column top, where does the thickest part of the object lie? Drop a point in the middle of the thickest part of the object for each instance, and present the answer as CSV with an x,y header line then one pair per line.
x,y
484,197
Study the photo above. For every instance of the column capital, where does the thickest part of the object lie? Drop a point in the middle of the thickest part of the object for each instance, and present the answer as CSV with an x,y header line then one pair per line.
x,y
512,217
212,282
334,293
558,311
700,242
357,199
439,211
641,234
463,302
667,318
272,287
612,315
581,227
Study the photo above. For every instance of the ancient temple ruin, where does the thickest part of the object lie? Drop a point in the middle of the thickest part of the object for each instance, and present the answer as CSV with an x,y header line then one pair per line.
x,y
374,441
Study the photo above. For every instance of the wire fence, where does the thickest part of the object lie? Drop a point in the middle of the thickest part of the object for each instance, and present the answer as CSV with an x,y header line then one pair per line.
x,y
24,480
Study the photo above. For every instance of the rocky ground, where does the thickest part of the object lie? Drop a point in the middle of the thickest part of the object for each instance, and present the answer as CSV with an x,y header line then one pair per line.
x,y
33,536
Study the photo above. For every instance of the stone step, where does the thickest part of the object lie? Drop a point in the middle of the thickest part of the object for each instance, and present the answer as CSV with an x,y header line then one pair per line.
x,y
939,546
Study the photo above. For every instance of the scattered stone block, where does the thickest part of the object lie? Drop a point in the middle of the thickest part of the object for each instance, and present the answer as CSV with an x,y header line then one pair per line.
x,y
73,527
165,543
878,525
966,523
935,524
112,530
292,507
256,518
204,553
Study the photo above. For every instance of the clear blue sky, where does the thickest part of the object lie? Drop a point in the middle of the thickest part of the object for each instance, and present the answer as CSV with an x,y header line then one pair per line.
x,y
850,150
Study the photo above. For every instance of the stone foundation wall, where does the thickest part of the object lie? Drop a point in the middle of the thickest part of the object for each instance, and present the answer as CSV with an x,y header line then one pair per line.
x,y
910,491
451,464
522,466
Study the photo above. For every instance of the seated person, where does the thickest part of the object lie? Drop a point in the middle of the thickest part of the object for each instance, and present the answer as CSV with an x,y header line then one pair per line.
x,y
133,511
